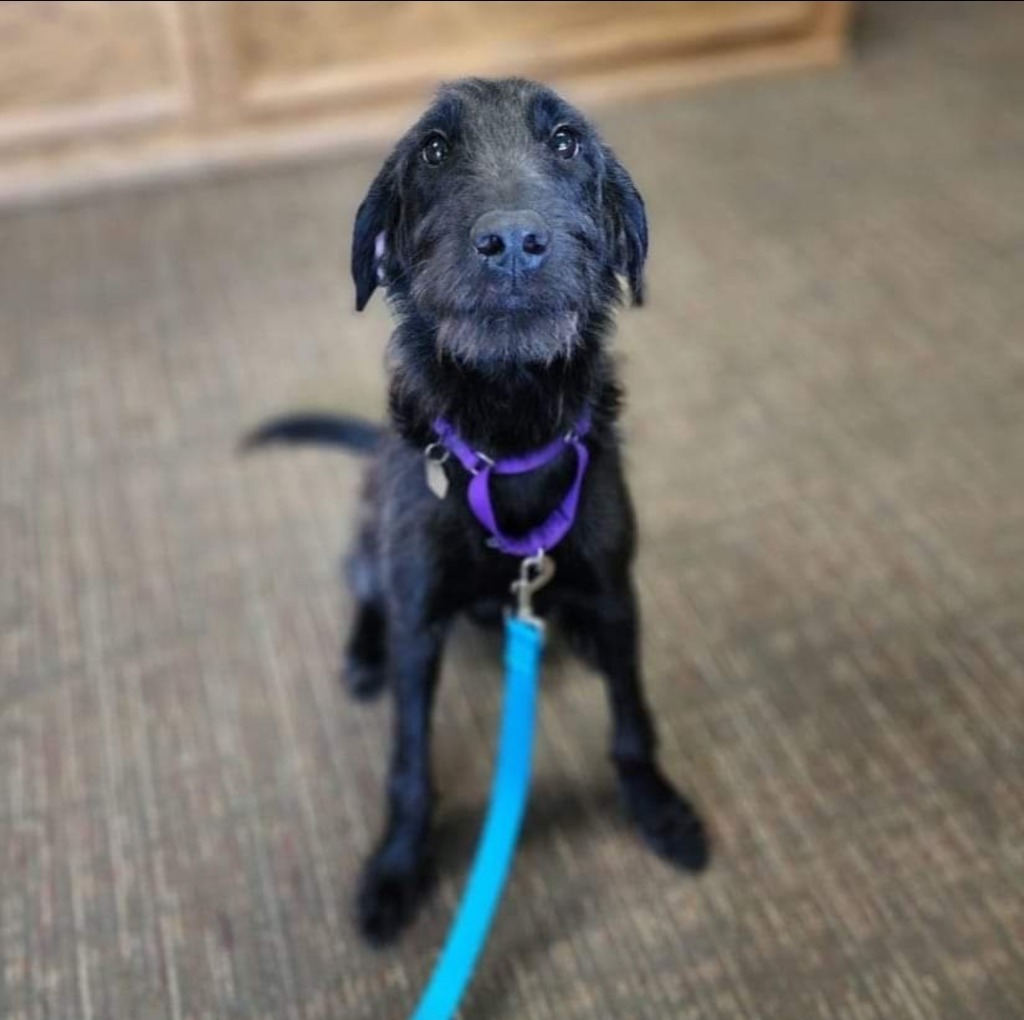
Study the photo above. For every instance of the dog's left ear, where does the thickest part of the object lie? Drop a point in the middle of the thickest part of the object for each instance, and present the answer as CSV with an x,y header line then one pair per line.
x,y
627,226
373,238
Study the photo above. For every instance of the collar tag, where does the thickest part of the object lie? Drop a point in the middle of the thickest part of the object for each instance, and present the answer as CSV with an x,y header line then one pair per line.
x,y
434,457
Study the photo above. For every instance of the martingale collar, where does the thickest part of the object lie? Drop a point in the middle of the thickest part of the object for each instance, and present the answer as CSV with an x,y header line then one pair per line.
x,y
550,532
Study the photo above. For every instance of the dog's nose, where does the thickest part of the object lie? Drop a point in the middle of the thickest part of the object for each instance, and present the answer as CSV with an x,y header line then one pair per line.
x,y
509,240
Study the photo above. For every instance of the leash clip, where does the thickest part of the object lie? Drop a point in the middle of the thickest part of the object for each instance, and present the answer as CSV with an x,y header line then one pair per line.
x,y
534,573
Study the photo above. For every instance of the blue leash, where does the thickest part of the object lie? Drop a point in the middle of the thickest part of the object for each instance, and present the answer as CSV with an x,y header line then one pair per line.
x,y
524,644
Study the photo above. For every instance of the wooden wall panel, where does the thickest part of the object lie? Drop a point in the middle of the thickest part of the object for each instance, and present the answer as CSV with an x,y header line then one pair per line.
x,y
94,90
293,54
70,68
282,39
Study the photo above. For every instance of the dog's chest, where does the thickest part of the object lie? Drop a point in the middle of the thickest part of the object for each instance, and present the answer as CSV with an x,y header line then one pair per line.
x,y
523,501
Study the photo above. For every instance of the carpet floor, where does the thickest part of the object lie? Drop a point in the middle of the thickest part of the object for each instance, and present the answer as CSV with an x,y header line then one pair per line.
x,y
826,443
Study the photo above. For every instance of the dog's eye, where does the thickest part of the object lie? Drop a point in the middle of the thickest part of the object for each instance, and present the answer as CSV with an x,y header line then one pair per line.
x,y
435,150
564,142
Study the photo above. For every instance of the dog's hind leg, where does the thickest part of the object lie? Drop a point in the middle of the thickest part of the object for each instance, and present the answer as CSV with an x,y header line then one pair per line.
x,y
664,818
364,668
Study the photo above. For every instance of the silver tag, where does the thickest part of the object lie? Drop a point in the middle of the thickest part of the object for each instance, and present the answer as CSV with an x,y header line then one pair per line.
x,y
437,478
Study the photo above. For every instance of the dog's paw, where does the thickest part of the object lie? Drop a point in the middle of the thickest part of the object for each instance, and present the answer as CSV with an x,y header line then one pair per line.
x,y
364,680
666,820
389,898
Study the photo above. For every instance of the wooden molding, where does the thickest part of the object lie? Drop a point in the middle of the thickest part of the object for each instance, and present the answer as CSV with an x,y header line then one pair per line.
x,y
66,122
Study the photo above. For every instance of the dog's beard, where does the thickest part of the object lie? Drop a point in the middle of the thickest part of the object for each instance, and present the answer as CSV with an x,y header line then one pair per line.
x,y
494,340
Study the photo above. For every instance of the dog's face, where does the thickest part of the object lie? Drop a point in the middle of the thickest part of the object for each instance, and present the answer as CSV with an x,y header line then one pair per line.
x,y
504,221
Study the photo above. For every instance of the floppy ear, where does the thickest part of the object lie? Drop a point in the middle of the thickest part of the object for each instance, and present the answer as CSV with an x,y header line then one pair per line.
x,y
373,237
627,226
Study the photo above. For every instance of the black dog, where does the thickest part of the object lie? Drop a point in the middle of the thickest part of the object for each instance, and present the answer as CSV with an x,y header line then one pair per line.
x,y
499,226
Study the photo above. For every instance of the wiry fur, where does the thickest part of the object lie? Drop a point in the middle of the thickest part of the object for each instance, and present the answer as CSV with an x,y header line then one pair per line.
x,y
513,361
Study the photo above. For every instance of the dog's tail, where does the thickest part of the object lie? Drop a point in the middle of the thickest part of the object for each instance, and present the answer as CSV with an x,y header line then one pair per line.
x,y
314,428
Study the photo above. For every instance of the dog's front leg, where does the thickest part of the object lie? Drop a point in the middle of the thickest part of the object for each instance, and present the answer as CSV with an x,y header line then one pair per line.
x,y
666,821
398,873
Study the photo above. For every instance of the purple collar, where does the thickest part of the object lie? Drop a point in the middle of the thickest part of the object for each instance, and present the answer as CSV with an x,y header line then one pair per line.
x,y
545,536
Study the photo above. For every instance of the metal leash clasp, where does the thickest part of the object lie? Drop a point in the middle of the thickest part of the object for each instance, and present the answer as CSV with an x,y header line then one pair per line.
x,y
534,573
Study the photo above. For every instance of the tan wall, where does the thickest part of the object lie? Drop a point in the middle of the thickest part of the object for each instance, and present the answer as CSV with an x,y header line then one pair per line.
x,y
95,89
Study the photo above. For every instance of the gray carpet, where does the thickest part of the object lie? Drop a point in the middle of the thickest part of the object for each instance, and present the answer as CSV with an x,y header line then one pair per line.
x,y
827,448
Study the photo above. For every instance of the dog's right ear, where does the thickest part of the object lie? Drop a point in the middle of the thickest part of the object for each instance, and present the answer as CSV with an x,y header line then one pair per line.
x,y
627,226
373,238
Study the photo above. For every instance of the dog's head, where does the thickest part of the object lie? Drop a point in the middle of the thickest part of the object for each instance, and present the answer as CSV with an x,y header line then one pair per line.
x,y
503,221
